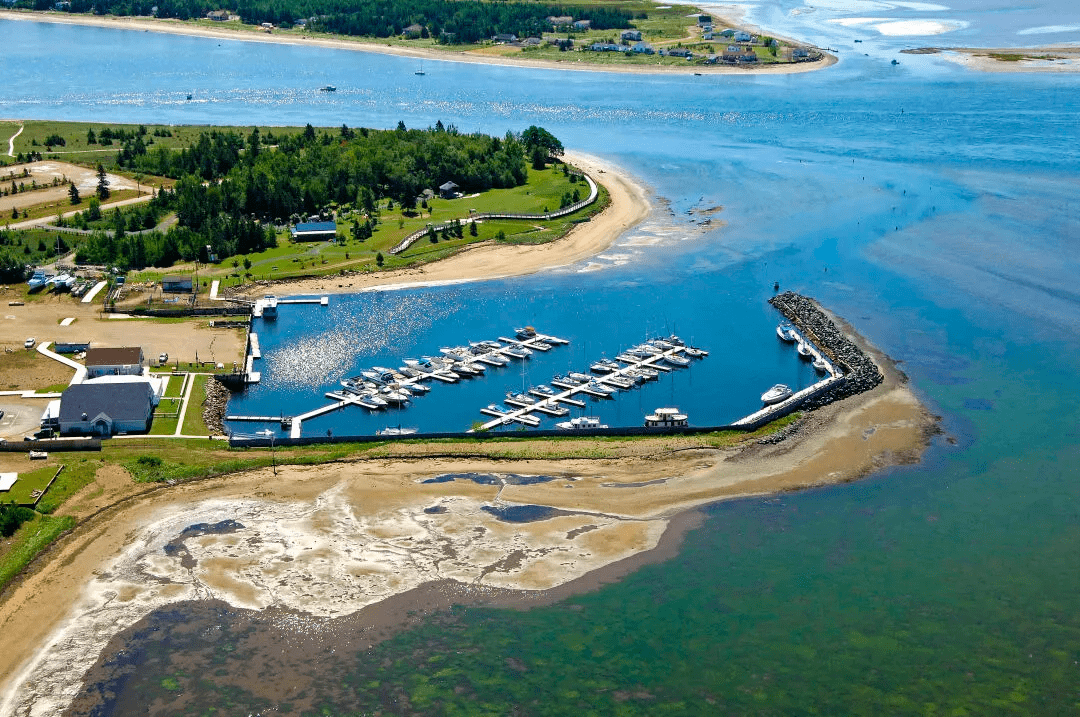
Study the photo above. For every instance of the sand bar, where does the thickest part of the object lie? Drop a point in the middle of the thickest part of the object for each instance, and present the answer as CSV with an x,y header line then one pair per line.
x,y
333,539
1050,58
177,27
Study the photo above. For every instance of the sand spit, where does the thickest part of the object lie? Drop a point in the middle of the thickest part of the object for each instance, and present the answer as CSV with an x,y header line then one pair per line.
x,y
331,540
176,27
1051,58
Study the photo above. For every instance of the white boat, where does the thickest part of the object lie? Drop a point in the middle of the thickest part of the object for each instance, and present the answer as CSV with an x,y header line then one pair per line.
x,y
618,382
597,389
785,333
518,352
394,397
776,394
694,352
666,418
821,365
543,391
677,360
805,351
38,280
527,332
581,423
604,366
520,399
395,431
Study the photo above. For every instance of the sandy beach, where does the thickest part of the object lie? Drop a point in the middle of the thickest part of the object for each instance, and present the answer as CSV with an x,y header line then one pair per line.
x,y
176,27
629,206
1051,58
335,539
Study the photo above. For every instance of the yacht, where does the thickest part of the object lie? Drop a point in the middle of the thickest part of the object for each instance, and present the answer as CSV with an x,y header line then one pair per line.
x,y
666,418
694,352
618,382
527,332
677,360
270,304
518,352
520,400
579,377
38,280
805,352
581,423
776,394
604,366
598,389
821,365
543,391
565,382
784,332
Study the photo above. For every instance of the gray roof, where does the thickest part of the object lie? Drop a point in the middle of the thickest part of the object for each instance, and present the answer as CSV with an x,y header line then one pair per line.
x,y
120,401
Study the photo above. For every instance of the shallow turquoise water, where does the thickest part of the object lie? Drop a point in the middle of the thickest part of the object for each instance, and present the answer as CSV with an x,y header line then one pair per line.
x,y
933,208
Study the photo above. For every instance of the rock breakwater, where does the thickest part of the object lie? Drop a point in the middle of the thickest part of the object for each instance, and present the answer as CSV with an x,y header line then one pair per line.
x,y
861,373
213,407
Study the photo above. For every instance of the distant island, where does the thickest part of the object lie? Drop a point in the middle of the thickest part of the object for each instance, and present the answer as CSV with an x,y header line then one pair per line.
x,y
649,38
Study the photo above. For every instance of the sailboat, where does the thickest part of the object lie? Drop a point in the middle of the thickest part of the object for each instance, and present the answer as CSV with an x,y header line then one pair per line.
x,y
421,70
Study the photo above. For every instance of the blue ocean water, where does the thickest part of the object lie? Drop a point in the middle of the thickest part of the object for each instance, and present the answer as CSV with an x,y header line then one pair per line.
x,y
933,207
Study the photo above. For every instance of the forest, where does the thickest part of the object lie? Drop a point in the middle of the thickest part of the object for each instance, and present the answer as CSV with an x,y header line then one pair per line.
x,y
232,189
459,22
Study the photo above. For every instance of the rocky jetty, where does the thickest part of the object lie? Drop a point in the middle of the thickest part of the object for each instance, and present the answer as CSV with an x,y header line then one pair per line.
x,y
861,373
213,407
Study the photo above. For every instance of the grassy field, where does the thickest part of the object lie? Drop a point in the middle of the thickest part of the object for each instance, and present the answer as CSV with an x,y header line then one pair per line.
x,y
175,386
22,491
543,191
193,419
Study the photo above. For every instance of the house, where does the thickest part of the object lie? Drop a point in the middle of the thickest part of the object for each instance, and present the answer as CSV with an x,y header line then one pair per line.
x,y
448,190
707,27
412,32
126,361
581,25
533,41
704,20
642,48
800,53
728,32
106,409
302,22
314,231
634,35
742,36
218,15
504,37
62,5
706,36
177,284
561,43
735,53
680,52
267,26
558,21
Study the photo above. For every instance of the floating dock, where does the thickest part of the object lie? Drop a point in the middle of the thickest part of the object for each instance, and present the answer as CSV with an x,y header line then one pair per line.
x,y
523,410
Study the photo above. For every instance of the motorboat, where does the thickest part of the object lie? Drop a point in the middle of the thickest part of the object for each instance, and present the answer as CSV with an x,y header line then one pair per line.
x,y
666,418
776,394
805,352
38,280
543,391
581,423
552,409
598,389
604,366
649,374
694,352
395,430
518,352
269,306
527,332
677,360
785,333
395,396
618,382
565,382
493,409
579,377
821,365
628,358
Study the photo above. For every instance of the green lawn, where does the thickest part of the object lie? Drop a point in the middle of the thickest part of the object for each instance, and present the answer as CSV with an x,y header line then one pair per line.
x,y
175,386
193,420
29,482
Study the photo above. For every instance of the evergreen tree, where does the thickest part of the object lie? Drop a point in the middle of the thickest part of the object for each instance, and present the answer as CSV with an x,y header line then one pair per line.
x,y
102,183
73,192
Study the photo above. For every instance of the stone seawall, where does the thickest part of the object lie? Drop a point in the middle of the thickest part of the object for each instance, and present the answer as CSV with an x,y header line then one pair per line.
x,y
217,398
863,374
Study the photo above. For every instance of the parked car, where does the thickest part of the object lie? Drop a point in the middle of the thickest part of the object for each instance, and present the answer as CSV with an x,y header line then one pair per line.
x,y
29,343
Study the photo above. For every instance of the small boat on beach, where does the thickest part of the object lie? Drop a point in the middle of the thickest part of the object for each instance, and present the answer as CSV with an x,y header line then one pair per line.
x,y
776,394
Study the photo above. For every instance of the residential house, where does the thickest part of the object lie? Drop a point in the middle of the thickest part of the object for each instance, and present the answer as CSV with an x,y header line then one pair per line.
x,y
581,25
742,36
177,284
561,43
106,409
634,35
706,36
704,20
728,32
642,48
218,15
736,53
314,231
680,52
800,53
560,21
124,361
533,41
413,32
504,37
448,190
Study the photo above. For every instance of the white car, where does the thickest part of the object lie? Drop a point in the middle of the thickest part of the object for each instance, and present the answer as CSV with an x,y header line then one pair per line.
x,y
29,343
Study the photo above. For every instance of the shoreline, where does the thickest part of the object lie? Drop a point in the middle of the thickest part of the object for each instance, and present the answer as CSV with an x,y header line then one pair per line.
x,y
629,206
177,27
110,572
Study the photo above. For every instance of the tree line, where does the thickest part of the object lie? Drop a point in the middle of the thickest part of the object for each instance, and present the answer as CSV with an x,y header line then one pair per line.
x,y
232,188
463,21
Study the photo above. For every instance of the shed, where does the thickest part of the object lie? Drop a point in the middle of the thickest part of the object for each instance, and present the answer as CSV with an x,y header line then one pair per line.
x,y
314,231
106,409
177,284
